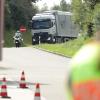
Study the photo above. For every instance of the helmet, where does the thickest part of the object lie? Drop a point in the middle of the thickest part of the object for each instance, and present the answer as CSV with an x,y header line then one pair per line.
x,y
85,73
18,31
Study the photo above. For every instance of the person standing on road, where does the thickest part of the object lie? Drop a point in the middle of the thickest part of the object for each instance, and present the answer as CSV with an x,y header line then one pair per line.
x,y
84,79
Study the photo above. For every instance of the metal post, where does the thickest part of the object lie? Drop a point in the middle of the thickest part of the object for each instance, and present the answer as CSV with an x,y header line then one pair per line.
x,y
39,40
1,25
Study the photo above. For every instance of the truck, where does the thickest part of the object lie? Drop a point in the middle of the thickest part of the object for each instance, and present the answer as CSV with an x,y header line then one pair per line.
x,y
53,26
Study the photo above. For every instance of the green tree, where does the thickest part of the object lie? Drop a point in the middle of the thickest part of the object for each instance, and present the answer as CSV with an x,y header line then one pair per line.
x,y
56,7
91,3
78,12
44,8
83,14
8,20
64,6
97,17
18,12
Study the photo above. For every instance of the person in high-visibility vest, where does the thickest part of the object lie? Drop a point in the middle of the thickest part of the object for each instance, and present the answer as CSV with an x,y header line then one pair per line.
x,y
84,80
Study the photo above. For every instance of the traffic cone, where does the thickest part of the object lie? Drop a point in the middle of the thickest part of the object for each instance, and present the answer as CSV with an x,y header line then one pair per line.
x,y
3,93
37,92
22,83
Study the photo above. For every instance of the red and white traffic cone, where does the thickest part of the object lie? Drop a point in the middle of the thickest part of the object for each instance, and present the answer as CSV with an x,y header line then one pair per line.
x,y
22,83
37,92
3,93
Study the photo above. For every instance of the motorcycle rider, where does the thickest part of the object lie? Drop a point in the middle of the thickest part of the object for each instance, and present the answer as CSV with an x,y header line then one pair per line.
x,y
18,34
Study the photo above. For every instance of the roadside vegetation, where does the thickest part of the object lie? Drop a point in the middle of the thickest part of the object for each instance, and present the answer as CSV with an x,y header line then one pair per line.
x,y
68,48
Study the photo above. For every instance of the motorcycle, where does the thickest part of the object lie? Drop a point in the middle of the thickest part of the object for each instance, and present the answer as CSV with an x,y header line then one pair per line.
x,y
17,42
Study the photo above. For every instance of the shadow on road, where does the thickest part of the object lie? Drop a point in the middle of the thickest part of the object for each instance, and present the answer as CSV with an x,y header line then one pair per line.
x,y
4,68
28,83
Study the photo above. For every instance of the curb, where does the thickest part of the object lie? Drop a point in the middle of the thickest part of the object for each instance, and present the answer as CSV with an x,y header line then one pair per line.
x,y
51,52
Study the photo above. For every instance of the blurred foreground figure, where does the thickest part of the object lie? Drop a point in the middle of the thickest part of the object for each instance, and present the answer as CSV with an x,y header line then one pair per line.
x,y
84,81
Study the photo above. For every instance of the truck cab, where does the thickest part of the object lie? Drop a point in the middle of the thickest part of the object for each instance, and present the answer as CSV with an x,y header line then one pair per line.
x,y
43,28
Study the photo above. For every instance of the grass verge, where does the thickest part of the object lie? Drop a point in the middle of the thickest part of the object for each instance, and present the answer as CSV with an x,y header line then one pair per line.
x,y
67,49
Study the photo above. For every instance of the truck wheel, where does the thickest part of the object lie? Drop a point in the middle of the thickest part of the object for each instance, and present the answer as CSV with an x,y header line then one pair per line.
x,y
37,42
33,42
54,40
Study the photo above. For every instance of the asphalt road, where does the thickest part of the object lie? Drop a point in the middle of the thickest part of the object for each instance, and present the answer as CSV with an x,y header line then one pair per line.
x,y
48,69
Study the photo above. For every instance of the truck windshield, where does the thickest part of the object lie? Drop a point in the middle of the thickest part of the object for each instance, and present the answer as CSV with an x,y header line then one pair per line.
x,y
41,24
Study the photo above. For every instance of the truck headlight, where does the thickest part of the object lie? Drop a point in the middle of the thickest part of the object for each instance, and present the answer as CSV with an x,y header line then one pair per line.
x,y
48,38
33,39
